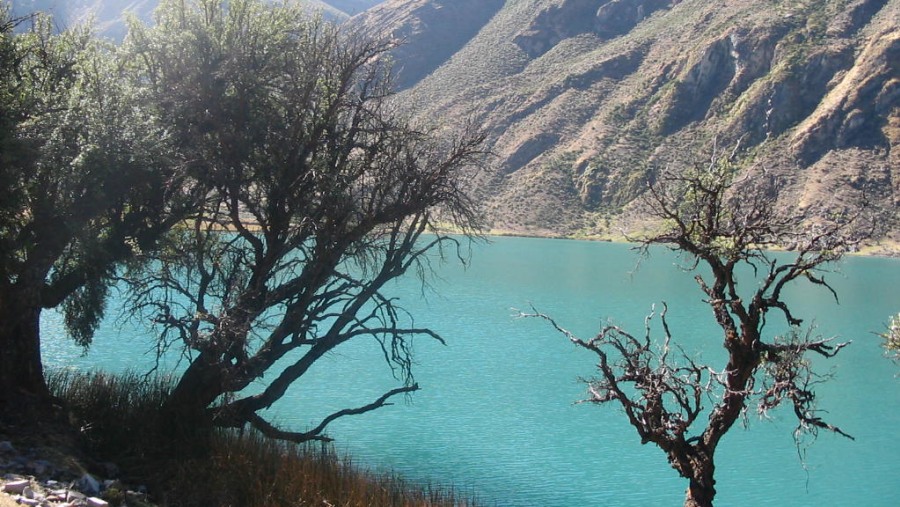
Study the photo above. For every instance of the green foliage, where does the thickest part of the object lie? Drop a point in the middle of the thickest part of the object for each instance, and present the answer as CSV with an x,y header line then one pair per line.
x,y
10,110
83,310
85,177
891,337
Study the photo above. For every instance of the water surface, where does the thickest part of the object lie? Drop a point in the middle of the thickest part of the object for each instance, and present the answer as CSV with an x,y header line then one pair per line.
x,y
496,412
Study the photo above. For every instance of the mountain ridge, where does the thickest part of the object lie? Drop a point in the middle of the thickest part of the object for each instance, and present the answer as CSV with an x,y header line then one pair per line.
x,y
109,16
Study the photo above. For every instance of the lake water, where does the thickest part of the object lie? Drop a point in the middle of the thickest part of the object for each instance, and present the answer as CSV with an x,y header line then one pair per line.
x,y
496,413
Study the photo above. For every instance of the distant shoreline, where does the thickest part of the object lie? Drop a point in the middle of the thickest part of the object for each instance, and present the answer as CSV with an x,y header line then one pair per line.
x,y
885,248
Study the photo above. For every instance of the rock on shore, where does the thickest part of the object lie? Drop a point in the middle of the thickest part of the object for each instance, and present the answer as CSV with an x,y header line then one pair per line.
x,y
29,480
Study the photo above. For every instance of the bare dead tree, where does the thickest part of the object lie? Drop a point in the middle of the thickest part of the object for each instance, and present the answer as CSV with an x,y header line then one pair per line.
x,y
722,223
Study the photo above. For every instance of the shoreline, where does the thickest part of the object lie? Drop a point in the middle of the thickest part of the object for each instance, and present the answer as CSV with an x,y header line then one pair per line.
x,y
885,248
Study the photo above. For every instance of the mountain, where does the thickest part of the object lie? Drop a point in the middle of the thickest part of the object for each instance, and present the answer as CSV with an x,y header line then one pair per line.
x,y
585,100
108,14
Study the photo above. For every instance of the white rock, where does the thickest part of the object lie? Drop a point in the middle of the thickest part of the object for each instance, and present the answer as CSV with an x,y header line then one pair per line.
x,y
57,496
75,496
27,501
97,502
16,487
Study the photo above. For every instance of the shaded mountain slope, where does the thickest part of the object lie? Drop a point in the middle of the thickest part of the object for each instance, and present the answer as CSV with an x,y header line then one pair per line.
x,y
431,31
585,99
109,14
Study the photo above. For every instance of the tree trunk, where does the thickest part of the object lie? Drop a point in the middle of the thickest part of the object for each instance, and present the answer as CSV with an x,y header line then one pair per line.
x,y
21,370
696,463
699,495
197,389
186,421
702,487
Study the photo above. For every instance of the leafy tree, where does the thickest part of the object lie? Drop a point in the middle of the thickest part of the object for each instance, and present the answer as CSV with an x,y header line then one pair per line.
x,y
84,184
318,195
725,226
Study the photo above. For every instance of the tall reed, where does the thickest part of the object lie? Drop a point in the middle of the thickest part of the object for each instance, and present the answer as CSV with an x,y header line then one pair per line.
x,y
120,420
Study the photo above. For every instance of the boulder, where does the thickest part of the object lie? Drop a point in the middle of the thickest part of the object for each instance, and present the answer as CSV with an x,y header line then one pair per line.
x,y
16,487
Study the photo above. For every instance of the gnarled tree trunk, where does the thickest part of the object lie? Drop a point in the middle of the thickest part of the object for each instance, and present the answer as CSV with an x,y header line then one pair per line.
x,y
695,462
190,407
21,370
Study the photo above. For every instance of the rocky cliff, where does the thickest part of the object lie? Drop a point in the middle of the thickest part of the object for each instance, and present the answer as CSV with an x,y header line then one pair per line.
x,y
585,99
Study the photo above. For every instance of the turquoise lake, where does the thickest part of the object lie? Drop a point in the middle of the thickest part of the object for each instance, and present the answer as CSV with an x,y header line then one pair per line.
x,y
496,414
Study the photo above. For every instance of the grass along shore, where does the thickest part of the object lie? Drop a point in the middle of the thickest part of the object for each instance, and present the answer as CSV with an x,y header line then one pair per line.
x,y
118,419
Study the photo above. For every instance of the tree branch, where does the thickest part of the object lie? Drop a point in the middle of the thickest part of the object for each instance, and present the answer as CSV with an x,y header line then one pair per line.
x,y
271,431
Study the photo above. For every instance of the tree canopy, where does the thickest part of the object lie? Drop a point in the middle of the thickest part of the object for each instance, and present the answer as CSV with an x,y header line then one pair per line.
x,y
241,166
86,181
317,194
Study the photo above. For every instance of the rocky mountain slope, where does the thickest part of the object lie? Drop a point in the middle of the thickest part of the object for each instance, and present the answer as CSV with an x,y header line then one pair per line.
x,y
585,100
